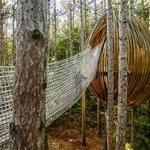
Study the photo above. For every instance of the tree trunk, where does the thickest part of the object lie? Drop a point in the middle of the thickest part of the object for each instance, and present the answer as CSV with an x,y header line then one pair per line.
x,y
55,28
73,14
49,15
122,83
142,7
104,6
85,21
1,34
83,99
49,29
13,41
110,87
83,119
6,58
149,15
55,21
28,129
95,10
131,8
81,25
71,27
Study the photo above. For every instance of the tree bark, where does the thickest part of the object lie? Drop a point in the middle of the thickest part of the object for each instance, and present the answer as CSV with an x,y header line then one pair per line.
x,y
110,87
83,98
55,22
13,41
131,8
142,7
95,10
81,25
55,28
28,129
104,6
149,15
71,26
123,82
1,34
85,20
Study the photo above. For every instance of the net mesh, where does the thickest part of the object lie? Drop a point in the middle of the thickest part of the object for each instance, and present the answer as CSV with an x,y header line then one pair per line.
x,y
66,80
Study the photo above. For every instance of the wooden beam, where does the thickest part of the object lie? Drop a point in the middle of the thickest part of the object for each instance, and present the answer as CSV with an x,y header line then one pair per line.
x,y
83,119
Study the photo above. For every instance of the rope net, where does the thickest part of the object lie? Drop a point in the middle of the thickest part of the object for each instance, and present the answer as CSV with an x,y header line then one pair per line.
x,y
66,80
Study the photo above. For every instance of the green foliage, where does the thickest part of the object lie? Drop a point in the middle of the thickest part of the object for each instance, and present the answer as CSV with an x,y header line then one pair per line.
x,y
61,48
128,146
143,12
8,51
143,121
143,127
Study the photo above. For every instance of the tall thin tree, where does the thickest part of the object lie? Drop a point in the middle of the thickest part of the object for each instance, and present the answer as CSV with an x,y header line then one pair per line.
x,y
110,97
83,99
71,6
13,34
85,12
81,25
1,33
104,6
123,82
54,33
131,8
55,21
28,131
95,10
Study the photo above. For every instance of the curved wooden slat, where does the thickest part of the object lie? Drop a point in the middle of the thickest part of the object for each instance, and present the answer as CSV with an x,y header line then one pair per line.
x,y
138,44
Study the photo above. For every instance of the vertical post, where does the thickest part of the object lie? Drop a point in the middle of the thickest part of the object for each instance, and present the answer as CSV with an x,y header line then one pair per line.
x,y
83,119
98,116
132,127
83,94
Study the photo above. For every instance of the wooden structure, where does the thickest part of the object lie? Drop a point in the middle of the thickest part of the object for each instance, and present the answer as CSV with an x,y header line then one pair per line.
x,y
138,44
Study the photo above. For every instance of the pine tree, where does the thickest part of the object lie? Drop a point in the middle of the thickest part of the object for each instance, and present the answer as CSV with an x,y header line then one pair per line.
x,y
122,83
95,10
1,34
131,8
13,35
110,101
28,129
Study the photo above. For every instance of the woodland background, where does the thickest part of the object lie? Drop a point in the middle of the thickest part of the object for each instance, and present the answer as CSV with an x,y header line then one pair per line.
x,y
64,41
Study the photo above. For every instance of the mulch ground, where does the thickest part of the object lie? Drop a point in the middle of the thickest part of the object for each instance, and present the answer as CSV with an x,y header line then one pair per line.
x,y
65,134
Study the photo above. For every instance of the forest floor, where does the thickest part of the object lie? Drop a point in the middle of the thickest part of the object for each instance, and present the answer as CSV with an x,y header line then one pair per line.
x,y
65,133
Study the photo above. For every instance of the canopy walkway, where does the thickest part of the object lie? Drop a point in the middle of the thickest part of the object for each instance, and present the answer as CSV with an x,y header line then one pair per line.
x,y
68,78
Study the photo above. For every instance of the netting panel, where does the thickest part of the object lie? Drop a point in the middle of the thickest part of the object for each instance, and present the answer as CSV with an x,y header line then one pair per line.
x,y
66,80
69,78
